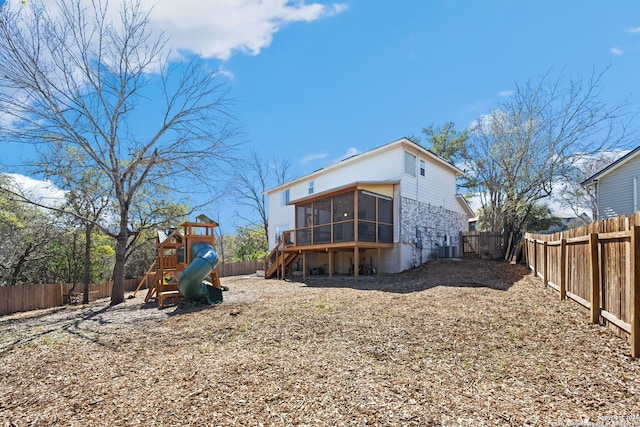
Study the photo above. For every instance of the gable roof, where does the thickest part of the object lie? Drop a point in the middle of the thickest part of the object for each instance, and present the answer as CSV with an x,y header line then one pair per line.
x,y
357,157
465,206
613,166
341,189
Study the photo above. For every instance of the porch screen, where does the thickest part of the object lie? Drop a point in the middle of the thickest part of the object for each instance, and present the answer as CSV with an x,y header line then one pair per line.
x,y
375,218
333,219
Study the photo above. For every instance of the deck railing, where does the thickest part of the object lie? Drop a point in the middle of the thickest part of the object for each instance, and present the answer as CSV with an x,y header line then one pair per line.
x,y
275,256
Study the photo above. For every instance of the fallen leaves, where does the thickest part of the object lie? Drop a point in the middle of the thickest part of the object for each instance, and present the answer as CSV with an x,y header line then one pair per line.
x,y
449,343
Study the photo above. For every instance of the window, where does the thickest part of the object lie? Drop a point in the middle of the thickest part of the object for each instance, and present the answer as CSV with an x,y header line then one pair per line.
x,y
409,164
422,168
284,197
310,187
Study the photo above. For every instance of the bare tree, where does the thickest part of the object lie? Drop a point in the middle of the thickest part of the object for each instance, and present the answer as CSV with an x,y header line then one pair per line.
x,y
573,194
72,76
253,180
518,152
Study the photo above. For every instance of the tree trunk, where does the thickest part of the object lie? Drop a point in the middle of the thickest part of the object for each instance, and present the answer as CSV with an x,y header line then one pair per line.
x,y
87,264
117,291
18,266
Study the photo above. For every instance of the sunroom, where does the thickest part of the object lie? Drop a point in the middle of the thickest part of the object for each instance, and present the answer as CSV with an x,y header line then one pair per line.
x,y
342,231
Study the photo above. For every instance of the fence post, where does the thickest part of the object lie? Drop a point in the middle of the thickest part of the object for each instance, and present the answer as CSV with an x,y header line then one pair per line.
x,y
545,263
594,260
635,291
563,268
535,257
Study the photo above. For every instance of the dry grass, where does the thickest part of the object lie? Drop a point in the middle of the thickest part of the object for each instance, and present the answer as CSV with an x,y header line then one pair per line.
x,y
451,343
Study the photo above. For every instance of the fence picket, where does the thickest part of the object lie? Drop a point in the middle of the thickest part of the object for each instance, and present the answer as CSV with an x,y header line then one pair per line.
x,y
597,266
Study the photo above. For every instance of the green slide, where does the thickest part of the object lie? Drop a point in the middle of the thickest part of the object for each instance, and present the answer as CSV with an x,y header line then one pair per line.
x,y
192,284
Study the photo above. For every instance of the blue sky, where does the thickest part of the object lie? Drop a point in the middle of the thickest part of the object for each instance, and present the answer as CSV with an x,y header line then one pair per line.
x,y
381,70
315,81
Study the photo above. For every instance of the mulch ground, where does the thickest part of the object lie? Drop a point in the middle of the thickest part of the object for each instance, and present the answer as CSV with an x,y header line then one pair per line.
x,y
451,343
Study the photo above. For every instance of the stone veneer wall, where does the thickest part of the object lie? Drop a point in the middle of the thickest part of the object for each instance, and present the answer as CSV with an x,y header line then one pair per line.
x,y
435,224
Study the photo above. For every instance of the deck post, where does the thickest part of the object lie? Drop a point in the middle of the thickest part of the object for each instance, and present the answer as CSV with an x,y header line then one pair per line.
x,y
356,257
304,265
379,261
330,264
282,259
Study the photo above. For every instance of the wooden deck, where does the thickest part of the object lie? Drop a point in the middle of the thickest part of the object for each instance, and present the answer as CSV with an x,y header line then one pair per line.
x,y
286,252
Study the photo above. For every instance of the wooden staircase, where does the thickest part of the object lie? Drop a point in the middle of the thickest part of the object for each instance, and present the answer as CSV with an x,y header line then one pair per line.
x,y
280,259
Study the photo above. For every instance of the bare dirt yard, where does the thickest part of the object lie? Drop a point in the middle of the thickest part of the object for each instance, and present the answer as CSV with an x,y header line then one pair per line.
x,y
451,343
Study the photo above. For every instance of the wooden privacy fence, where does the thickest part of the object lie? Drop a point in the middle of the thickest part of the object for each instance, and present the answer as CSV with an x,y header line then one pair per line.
x,y
18,298
598,266
485,245
239,268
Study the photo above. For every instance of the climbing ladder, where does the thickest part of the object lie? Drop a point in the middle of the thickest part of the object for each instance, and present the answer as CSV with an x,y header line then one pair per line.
x,y
161,285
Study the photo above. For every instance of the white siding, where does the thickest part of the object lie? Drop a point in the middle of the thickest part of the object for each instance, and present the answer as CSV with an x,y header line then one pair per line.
x,y
615,190
387,166
376,168
437,187
278,215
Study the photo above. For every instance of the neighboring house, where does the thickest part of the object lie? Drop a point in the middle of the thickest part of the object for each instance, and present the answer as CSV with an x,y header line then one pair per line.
x,y
568,223
385,210
616,186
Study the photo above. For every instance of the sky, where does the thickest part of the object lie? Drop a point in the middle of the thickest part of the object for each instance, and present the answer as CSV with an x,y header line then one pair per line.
x,y
314,82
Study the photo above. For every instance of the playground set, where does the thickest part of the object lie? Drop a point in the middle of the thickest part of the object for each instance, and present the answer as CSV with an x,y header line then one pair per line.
x,y
185,265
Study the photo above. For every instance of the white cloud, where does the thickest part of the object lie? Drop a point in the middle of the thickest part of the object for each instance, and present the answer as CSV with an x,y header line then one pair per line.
x,y
505,93
635,30
217,28
226,73
44,192
616,51
312,157
350,152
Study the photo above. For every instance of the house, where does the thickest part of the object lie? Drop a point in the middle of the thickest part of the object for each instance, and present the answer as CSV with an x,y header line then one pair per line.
x,y
616,186
385,210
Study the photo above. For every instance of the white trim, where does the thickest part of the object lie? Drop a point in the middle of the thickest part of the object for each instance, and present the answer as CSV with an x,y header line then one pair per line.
x,y
406,143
